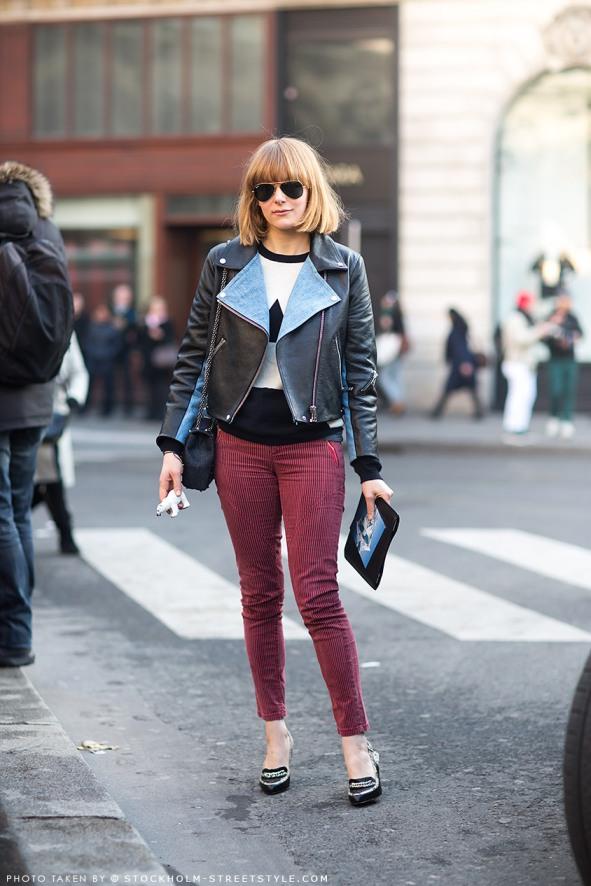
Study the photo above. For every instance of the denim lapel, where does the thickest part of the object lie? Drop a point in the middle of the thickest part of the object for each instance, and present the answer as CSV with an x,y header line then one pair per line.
x,y
246,295
310,294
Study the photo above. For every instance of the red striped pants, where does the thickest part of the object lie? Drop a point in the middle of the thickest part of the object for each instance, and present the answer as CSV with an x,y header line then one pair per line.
x,y
305,483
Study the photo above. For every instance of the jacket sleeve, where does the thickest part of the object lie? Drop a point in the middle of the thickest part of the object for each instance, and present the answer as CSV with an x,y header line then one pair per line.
x,y
187,380
359,369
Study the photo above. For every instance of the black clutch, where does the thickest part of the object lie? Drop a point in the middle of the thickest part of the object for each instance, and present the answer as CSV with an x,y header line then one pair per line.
x,y
368,541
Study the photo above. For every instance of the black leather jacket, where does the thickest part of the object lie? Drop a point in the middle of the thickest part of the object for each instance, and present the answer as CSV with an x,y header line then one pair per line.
x,y
325,351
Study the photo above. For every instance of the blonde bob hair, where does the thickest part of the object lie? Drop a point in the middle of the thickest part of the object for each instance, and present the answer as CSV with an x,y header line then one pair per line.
x,y
287,159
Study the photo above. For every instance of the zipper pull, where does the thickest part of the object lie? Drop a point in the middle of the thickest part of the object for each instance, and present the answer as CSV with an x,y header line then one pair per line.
x,y
313,413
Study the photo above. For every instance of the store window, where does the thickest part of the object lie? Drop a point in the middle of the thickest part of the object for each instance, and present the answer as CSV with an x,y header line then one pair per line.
x,y
100,260
544,195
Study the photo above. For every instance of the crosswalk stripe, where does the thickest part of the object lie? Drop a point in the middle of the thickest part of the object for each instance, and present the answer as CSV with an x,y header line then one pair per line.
x,y
453,607
190,599
554,559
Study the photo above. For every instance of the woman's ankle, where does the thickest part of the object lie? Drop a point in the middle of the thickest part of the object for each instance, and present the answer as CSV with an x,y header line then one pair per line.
x,y
276,729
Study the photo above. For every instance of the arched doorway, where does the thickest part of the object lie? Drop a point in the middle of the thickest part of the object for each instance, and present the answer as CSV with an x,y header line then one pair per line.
x,y
543,191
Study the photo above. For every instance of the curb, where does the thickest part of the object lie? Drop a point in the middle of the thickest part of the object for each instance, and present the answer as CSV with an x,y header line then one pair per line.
x,y
56,819
477,447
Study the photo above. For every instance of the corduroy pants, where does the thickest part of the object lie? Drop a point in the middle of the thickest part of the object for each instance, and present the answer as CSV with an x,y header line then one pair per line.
x,y
304,483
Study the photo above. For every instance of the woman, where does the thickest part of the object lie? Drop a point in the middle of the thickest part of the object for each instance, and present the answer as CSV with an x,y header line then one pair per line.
x,y
521,337
390,380
156,343
462,366
54,472
294,362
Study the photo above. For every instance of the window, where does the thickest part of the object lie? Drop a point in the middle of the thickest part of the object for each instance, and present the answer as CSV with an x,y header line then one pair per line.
x,y
544,191
206,80
49,82
88,79
343,86
126,106
168,76
247,49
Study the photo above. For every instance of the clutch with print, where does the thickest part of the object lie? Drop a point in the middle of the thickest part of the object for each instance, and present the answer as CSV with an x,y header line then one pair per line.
x,y
368,540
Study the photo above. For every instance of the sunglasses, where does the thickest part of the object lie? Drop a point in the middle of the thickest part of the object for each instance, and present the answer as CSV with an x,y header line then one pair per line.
x,y
265,190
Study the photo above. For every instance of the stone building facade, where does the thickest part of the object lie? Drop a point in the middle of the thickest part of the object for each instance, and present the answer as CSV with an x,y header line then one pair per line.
x,y
464,67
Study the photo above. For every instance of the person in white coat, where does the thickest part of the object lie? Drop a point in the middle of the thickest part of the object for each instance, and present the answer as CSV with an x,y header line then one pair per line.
x,y
521,354
55,457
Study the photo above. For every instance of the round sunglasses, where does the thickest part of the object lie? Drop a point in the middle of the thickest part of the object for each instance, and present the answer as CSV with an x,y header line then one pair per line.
x,y
265,190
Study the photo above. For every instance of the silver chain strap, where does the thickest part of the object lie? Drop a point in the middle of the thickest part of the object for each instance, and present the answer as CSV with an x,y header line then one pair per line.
x,y
216,323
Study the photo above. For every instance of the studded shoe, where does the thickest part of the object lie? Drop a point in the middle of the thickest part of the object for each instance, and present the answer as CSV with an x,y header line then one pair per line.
x,y
275,781
367,789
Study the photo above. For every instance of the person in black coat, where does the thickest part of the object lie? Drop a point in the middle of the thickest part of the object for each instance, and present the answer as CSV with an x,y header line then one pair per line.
x,y
157,345
463,366
103,344
26,206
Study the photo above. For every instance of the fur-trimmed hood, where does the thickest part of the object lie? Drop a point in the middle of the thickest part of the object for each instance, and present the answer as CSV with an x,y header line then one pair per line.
x,y
38,185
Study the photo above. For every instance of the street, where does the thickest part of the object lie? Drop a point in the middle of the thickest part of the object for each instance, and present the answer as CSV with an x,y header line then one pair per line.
x,y
470,651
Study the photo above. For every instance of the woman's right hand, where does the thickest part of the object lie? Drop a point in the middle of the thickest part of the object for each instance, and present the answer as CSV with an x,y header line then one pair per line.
x,y
170,475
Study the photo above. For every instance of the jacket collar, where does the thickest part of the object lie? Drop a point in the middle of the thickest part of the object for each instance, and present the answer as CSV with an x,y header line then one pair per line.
x,y
324,254
246,296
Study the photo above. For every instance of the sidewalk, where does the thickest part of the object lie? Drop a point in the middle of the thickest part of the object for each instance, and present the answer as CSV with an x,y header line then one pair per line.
x,y
56,819
95,437
459,432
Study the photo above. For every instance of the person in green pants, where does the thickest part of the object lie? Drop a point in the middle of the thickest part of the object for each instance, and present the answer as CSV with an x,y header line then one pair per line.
x,y
562,367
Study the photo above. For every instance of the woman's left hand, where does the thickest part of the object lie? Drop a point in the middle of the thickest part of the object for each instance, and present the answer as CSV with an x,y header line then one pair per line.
x,y
373,489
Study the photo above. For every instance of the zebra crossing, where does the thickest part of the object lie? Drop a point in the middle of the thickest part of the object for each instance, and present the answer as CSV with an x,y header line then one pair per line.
x,y
195,602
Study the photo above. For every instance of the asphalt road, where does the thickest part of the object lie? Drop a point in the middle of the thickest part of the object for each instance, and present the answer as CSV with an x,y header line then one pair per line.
x,y
470,731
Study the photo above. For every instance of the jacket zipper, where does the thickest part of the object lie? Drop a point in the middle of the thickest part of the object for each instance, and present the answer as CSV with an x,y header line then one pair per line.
x,y
313,405
336,341
248,390
370,384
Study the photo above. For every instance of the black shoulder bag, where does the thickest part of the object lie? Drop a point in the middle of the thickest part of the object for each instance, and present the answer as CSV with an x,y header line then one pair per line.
x,y
199,453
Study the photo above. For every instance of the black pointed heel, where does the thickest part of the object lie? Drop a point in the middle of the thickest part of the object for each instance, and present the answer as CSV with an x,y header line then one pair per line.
x,y
368,789
275,781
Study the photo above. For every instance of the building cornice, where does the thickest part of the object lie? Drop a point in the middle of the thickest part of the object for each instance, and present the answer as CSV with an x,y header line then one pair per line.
x,y
23,11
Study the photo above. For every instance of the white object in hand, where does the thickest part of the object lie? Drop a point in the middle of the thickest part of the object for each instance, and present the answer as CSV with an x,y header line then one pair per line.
x,y
172,504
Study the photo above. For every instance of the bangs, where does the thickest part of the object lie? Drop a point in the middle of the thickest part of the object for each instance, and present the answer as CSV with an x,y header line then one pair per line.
x,y
275,162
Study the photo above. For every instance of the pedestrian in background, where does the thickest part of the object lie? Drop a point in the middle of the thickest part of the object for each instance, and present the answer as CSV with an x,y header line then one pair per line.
x,y
463,366
54,472
37,319
81,321
159,352
562,367
392,344
521,337
103,343
125,322
295,359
